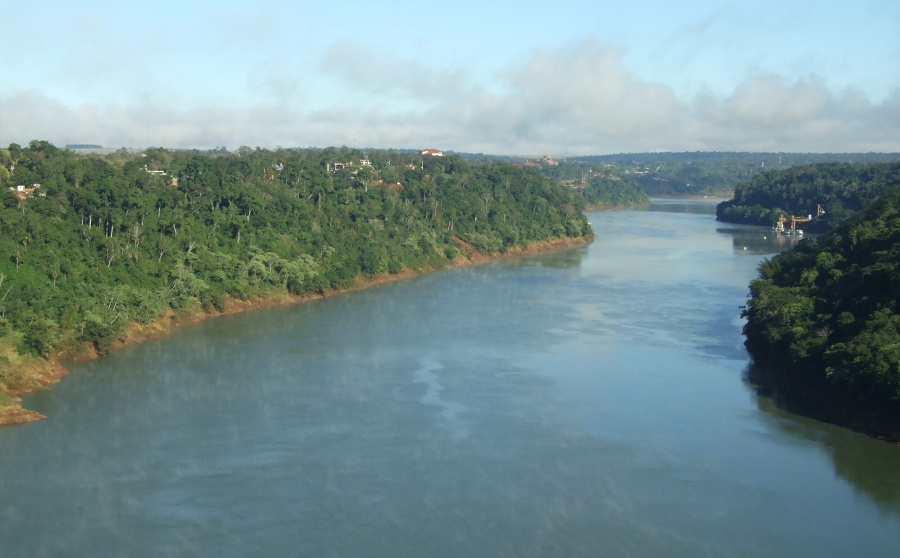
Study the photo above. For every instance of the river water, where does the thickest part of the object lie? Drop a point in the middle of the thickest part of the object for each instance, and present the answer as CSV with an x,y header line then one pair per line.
x,y
588,402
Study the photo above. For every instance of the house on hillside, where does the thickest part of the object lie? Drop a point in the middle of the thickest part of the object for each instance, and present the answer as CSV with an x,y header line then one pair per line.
x,y
432,152
550,161
338,165
24,192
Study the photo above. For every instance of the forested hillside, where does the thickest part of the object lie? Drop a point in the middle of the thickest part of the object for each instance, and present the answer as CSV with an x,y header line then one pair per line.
x,y
601,186
713,173
89,244
613,191
823,323
842,189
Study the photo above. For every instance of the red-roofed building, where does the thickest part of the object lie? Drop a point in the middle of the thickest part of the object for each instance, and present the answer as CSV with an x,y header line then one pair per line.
x,y
432,152
24,192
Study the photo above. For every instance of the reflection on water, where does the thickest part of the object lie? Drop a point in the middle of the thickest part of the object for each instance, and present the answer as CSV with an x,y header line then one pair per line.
x,y
561,259
760,241
697,206
870,465
577,403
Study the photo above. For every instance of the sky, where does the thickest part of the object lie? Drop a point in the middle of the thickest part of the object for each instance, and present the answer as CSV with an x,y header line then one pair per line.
x,y
571,77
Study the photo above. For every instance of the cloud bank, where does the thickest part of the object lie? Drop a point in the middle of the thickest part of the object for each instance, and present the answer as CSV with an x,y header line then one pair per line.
x,y
579,100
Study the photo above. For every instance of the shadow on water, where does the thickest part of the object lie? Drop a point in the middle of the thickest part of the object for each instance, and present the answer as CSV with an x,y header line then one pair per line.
x,y
869,465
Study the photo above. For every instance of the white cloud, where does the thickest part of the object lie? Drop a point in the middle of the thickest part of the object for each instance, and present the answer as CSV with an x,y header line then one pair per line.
x,y
773,114
373,72
32,115
578,100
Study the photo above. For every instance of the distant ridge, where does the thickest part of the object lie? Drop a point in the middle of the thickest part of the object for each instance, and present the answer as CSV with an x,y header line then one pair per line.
x,y
769,158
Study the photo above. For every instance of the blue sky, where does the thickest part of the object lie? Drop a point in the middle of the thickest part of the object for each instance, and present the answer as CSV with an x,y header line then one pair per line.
x,y
564,78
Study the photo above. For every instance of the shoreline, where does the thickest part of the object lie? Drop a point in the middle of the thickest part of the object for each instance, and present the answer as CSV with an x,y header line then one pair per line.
x,y
43,373
617,206
823,403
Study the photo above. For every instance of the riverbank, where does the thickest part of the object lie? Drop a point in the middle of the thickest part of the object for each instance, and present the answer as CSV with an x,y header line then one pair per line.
x,y
616,206
34,373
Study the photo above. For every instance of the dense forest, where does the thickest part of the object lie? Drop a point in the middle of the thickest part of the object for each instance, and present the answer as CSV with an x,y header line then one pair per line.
x,y
612,191
712,173
841,189
823,324
90,244
601,186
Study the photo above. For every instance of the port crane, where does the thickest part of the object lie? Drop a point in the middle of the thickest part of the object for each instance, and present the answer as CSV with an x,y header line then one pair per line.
x,y
794,220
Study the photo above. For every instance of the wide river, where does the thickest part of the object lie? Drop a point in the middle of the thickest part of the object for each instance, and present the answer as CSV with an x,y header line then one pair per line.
x,y
588,402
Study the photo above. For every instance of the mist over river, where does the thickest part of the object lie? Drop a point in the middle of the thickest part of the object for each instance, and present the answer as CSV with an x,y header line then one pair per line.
x,y
586,402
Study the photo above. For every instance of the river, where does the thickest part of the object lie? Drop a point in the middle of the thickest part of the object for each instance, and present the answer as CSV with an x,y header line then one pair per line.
x,y
587,402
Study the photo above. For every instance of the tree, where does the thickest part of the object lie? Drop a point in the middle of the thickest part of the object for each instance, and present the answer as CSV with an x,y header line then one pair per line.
x,y
111,244
822,320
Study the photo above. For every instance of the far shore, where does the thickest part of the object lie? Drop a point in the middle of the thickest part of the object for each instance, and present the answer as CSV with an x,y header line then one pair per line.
x,y
617,206
717,198
43,373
